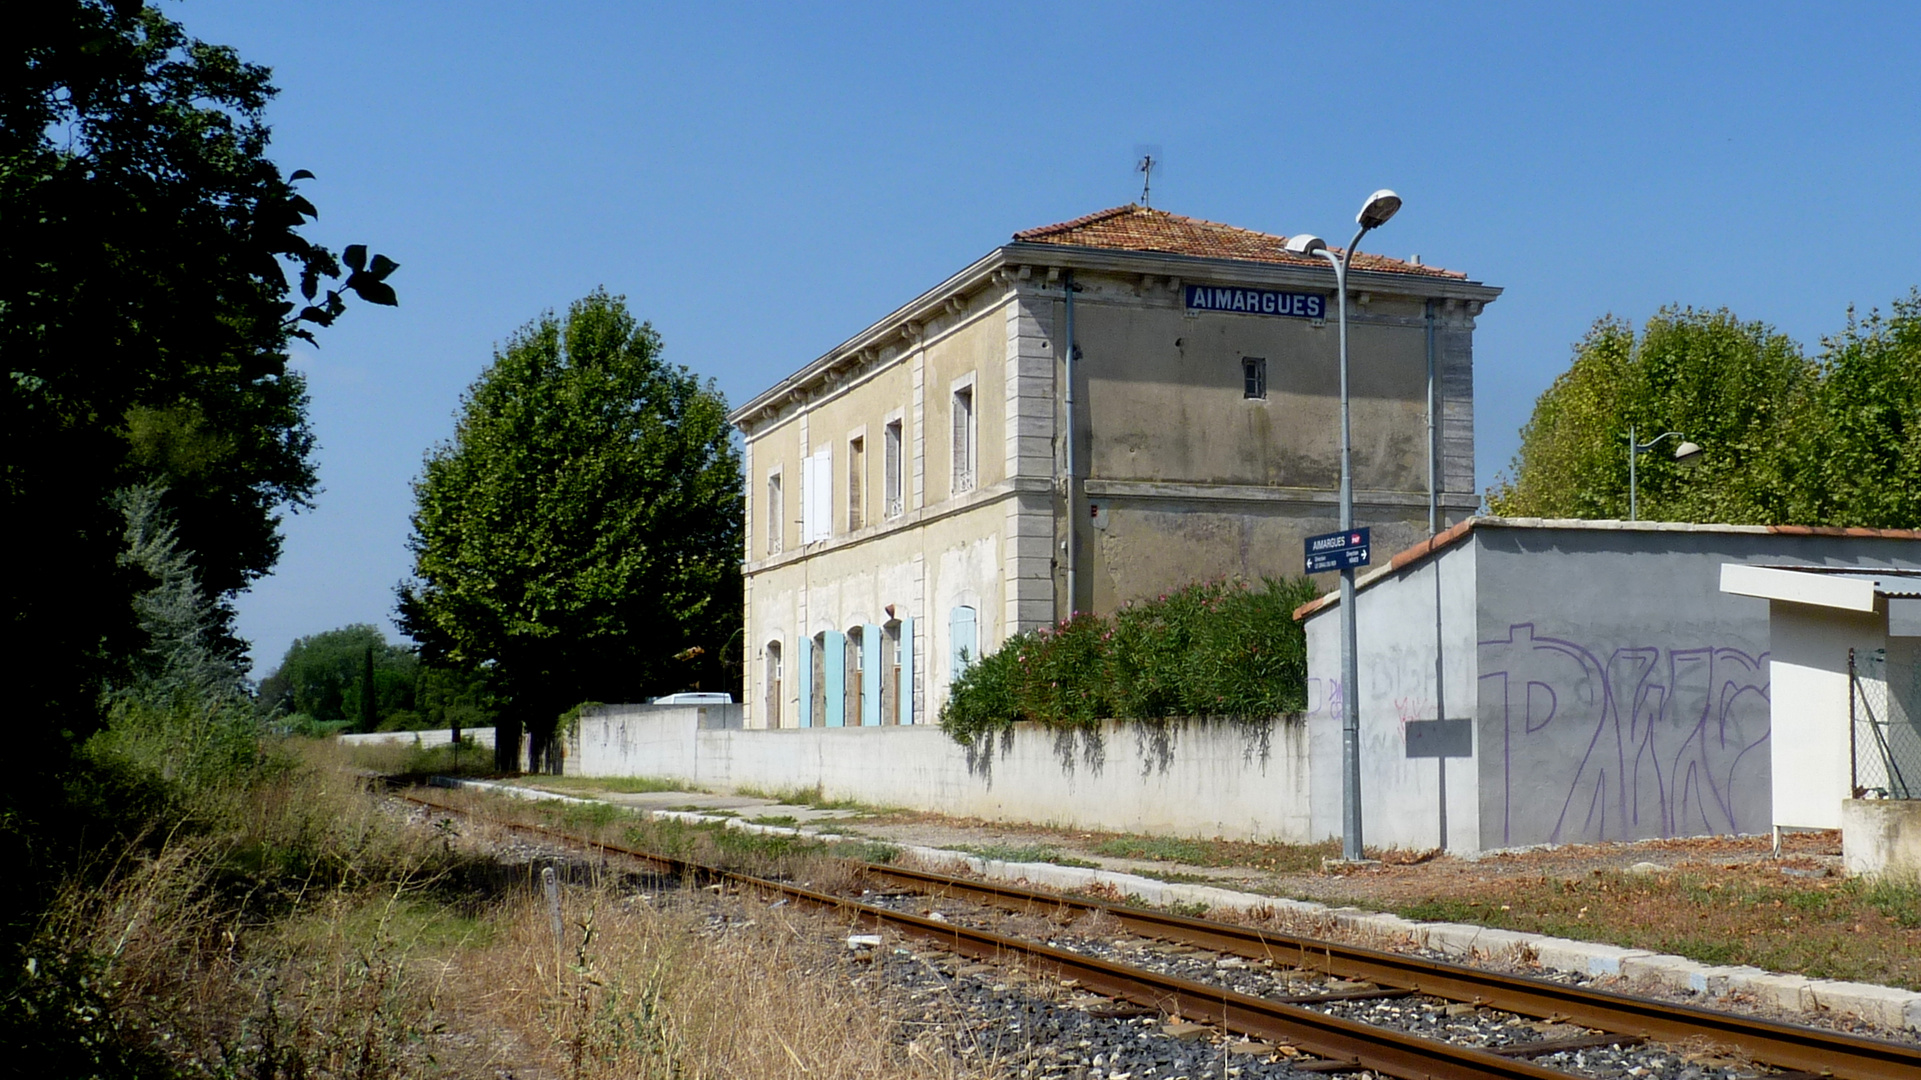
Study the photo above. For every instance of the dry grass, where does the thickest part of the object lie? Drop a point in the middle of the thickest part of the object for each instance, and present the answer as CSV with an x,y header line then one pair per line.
x,y
280,944
1074,846
637,989
1736,913
302,928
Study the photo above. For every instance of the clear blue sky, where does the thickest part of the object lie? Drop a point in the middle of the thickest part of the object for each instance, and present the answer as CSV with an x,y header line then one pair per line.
x,y
762,182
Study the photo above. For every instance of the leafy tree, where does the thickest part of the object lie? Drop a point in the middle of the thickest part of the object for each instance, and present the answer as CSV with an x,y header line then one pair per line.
x,y
1857,436
450,698
145,311
1835,441
1725,384
579,537
325,676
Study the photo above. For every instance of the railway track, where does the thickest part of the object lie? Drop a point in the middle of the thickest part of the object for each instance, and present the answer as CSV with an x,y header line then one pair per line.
x,y
1339,1044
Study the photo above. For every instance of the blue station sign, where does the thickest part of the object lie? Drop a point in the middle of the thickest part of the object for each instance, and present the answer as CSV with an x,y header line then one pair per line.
x,y
1256,301
1337,551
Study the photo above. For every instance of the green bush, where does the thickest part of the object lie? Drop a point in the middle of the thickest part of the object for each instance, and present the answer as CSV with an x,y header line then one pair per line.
x,y
1216,648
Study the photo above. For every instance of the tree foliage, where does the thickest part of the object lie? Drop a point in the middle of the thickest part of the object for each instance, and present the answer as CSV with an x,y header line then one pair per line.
x,y
580,535
145,311
1859,431
323,677
1785,439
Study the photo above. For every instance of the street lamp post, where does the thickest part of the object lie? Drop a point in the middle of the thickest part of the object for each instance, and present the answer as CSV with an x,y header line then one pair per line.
x,y
1379,207
1685,454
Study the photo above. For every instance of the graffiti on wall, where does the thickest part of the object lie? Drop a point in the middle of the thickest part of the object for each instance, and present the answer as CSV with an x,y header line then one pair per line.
x,y
1650,741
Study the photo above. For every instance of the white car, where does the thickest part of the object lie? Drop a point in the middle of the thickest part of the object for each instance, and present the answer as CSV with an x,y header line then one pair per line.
x,y
695,697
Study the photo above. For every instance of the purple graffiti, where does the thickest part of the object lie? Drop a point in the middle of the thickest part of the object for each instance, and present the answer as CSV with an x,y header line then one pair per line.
x,y
1651,742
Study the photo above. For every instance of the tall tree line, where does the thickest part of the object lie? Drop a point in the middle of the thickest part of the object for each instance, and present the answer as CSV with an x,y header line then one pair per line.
x,y
1787,438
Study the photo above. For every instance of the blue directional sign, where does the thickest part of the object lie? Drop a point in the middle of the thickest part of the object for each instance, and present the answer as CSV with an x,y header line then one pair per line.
x,y
1337,551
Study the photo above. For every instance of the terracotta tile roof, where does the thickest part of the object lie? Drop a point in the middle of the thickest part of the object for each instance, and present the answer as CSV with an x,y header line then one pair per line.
x,y
1140,228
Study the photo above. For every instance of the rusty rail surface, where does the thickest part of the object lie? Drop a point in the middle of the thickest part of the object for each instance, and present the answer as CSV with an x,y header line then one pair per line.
x,y
1785,1045
1788,1046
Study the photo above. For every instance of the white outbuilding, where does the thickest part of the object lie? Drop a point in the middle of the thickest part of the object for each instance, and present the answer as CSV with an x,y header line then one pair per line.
x,y
1845,658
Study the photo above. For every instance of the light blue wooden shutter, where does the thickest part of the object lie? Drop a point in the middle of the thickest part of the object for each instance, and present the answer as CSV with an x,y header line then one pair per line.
x,y
834,663
907,671
870,665
962,642
804,673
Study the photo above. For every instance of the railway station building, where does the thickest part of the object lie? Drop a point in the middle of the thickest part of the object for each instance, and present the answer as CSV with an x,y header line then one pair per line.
x,y
940,481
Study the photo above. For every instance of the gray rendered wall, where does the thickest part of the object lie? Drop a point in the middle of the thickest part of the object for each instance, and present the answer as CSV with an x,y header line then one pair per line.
x,y
1622,695
1400,798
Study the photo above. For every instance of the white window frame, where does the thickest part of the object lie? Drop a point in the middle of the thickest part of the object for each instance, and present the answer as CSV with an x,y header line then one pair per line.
x,y
817,496
856,508
893,466
776,513
965,434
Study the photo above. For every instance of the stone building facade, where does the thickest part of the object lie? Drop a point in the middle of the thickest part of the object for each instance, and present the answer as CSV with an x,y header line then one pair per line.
x,y
930,487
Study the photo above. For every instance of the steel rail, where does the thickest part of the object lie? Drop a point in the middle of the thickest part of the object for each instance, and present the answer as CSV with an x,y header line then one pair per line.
x,y
1843,1056
1848,1057
1346,1043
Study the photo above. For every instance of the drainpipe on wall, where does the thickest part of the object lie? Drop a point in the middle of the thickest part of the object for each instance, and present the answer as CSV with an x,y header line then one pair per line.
x,y
1433,527
1433,455
1073,509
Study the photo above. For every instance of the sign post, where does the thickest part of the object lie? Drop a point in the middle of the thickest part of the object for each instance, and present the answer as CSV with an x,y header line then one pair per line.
x,y
1344,550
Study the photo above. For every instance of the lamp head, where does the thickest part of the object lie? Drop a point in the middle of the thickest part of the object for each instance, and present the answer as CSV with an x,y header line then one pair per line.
x,y
1687,455
1379,207
1306,244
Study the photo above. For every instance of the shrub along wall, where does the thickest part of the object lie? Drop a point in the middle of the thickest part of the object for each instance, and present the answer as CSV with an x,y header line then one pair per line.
x,y
1216,648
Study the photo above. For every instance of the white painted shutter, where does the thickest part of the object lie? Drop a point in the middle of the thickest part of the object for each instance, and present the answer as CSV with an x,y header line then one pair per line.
x,y
817,497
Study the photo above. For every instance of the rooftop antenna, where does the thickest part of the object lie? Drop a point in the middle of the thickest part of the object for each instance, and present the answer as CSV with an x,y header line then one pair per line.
x,y
1146,169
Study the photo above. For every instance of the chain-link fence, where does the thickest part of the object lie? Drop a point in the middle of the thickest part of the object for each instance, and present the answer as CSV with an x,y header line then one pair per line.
x,y
1885,709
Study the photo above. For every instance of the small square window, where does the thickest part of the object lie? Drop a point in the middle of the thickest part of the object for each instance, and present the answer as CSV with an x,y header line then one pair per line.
x,y
1253,377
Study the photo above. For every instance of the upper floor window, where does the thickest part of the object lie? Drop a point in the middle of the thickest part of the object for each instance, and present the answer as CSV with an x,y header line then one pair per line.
x,y
776,512
891,464
817,497
856,494
964,439
1253,377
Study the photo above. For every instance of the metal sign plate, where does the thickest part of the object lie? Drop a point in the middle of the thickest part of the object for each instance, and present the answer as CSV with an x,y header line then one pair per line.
x,y
1256,302
1440,738
1337,551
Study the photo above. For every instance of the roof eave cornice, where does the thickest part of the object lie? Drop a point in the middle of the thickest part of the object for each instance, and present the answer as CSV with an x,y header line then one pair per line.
x,y
877,334
1040,255
1249,271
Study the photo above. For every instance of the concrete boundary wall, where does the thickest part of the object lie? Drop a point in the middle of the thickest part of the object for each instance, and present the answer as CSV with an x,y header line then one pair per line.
x,y
433,737
1194,778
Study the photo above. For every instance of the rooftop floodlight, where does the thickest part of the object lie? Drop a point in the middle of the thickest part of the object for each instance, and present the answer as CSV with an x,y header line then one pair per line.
x,y
1306,244
1379,207
1687,455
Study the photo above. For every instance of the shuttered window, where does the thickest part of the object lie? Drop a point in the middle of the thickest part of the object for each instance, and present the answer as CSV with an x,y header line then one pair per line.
x,y
964,439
